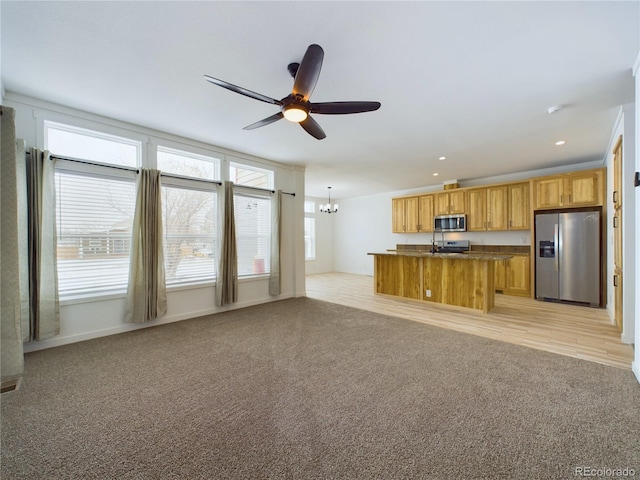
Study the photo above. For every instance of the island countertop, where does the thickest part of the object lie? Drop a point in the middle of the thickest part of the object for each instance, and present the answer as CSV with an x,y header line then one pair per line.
x,y
426,254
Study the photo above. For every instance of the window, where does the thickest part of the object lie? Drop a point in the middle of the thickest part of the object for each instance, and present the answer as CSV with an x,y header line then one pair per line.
x,y
250,176
189,215
94,216
253,233
309,230
76,142
187,164
94,209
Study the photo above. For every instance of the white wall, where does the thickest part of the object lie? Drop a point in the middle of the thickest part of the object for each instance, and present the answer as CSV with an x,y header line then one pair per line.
x,y
323,263
81,319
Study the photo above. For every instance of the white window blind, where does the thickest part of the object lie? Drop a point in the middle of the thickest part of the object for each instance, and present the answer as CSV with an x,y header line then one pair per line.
x,y
94,221
253,233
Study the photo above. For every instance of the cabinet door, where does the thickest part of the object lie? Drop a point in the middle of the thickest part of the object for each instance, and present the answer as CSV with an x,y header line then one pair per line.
x,y
397,215
519,211
497,208
441,203
519,275
548,192
477,212
500,282
617,240
411,214
426,213
617,174
617,286
457,201
582,189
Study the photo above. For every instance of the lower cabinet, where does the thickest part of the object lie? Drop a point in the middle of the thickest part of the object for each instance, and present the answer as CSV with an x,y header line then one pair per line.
x,y
512,277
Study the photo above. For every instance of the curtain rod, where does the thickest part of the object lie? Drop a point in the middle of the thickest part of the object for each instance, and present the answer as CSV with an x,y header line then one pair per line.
x,y
131,169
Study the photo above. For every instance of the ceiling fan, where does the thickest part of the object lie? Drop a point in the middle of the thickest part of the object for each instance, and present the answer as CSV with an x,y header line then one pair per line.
x,y
296,106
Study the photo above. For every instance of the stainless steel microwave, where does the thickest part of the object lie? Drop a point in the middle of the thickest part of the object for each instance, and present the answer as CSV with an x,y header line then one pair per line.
x,y
450,223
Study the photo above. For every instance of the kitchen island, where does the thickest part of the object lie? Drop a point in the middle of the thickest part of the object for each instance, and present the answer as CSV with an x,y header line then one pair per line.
x,y
460,279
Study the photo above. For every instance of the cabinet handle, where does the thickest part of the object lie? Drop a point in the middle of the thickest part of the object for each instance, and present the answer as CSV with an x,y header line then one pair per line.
x,y
615,222
561,198
569,198
615,280
615,196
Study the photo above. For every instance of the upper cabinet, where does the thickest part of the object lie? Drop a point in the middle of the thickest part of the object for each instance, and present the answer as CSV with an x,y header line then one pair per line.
x,y
570,190
450,202
412,214
501,207
506,206
519,206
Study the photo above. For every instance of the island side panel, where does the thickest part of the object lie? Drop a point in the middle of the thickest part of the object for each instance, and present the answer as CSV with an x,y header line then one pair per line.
x,y
398,275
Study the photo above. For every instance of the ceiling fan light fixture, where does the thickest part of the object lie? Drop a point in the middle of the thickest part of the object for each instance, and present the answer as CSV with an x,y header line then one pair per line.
x,y
294,113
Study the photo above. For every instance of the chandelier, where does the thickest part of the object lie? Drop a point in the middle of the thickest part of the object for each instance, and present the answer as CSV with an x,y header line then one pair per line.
x,y
328,208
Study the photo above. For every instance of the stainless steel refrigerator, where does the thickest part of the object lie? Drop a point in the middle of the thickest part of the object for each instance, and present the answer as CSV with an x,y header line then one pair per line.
x,y
568,257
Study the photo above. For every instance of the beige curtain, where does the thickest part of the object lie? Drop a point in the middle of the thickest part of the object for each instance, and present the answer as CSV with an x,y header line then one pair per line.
x,y
227,274
43,270
146,293
274,275
13,198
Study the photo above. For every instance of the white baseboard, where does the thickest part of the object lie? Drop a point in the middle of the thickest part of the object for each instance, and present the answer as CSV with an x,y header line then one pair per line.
x,y
128,327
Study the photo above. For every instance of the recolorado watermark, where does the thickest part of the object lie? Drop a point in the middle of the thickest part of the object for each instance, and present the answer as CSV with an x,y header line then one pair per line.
x,y
600,472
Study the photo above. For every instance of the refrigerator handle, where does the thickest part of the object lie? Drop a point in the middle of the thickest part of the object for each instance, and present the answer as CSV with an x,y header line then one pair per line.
x,y
556,240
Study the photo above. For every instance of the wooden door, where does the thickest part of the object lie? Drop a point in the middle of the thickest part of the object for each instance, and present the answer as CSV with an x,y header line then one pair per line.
x,y
426,213
519,275
397,215
582,189
497,208
617,285
548,192
412,214
617,232
477,212
519,210
441,203
457,201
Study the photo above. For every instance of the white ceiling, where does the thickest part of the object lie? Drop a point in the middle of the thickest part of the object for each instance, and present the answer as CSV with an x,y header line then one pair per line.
x,y
469,80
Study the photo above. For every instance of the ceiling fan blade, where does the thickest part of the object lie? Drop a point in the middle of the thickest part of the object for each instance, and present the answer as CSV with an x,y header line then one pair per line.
x,y
308,72
343,108
312,128
265,121
242,91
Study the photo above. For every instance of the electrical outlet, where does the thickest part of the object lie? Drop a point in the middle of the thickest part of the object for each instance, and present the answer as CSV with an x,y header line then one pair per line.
x,y
428,293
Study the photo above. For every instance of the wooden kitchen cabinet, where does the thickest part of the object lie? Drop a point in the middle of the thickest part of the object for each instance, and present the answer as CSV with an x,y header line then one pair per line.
x,y
570,190
513,276
477,210
450,202
519,276
412,214
397,215
488,209
519,213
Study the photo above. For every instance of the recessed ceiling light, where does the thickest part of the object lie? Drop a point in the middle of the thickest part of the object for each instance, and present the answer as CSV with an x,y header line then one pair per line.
x,y
435,174
554,109
442,158
560,142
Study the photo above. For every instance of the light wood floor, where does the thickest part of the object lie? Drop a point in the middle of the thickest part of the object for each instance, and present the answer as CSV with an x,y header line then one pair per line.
x,y
580,332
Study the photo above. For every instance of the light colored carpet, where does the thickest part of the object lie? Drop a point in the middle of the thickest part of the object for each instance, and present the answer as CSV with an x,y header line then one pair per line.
x,y
303,389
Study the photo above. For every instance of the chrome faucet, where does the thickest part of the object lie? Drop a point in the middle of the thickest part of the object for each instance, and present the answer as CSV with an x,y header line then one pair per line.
x,y
434,249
